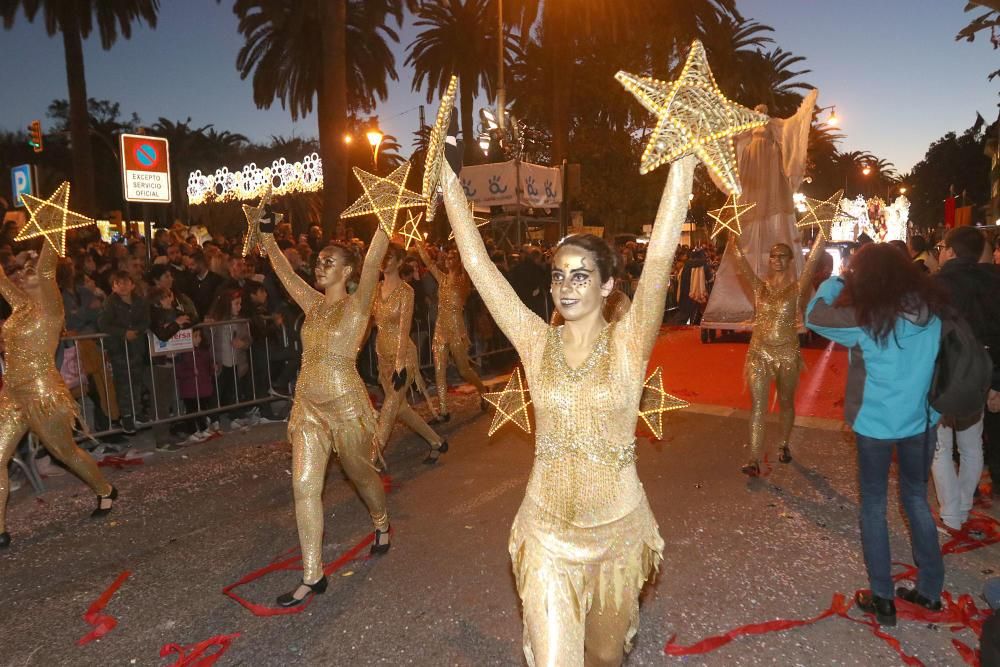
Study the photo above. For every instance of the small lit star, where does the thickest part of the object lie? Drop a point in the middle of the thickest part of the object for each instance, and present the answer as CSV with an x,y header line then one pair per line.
x,y
728,217
384,196
511,404
655,402
411,229
251,242
435,149
479,221
51,218
693,117
823,213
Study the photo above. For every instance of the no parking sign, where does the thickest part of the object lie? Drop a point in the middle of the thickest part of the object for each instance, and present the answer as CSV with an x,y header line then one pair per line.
x,y
145,168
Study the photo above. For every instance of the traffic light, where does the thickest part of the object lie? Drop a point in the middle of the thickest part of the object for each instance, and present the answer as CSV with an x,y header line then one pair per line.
x,y
35,136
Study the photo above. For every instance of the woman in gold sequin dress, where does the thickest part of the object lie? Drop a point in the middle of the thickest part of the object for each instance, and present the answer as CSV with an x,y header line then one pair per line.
x,y
584,540
397,355
450,335
34,396
774,344
331,411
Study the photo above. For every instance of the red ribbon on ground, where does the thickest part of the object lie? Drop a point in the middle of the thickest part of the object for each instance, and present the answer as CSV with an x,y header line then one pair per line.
x,y
119,462
293,563
103,624
963,540
194,655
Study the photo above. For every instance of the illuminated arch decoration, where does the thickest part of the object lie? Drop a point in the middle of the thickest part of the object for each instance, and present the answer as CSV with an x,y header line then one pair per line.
x,y
251,182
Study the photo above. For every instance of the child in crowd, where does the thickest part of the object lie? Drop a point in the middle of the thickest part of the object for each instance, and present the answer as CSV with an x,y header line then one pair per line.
x,y
195,377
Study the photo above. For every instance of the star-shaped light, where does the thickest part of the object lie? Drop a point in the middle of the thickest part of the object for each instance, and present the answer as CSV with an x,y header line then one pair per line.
x,y
435,148
511,404
823,213
411,229
693,116
479,221
251,242
655,402
384,196
728,217
51,218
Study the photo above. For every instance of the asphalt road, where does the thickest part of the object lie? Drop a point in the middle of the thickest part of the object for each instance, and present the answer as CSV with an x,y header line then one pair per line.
x,y
188,524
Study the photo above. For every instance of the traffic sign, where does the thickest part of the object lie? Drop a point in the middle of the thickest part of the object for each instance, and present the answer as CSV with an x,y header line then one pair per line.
x,y
145,168
22,181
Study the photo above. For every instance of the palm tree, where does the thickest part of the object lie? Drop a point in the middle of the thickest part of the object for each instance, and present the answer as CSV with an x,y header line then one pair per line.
x,y
332,51
459,39
75,20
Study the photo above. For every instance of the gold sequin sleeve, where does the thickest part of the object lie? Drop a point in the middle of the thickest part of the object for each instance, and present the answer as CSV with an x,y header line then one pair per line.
x,y
403,341
744,266
521,326
643,320
809,270
11,293
48,289
364,296
429,263
298,289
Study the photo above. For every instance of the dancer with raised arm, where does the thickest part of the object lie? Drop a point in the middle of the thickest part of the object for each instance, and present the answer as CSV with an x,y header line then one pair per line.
x,y
584,540
779,300
34,396
397,355
331,411
451,338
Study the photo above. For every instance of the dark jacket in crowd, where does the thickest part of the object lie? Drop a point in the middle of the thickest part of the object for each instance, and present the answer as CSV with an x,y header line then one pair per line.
x,y
163,321
203,291
531,282
974,291
117,317
82,310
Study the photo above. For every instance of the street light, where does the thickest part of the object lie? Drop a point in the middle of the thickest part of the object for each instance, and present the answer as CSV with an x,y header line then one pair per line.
x,y
375,139
348,139
833,120
866,170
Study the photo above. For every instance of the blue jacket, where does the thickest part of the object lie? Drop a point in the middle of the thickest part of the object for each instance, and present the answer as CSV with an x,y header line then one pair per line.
x,y
886,396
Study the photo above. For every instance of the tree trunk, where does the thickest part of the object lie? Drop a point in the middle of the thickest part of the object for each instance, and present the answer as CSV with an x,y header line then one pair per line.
x,y
560,47
472,154
331,108
84,199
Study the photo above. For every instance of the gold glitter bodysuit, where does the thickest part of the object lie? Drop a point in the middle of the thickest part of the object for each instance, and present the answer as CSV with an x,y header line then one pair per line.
x,y
774,345
393,315
450,334
331,411
34,396
584,540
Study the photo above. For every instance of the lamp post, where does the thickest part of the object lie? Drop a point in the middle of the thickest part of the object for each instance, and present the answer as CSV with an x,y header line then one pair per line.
x,y
375,140
501,90
832,120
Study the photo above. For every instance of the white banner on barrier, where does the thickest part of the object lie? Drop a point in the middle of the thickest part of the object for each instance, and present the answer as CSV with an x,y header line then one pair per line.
x,y
496,184
180,342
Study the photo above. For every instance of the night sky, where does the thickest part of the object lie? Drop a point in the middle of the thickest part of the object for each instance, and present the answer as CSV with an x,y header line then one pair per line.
x,y
892,67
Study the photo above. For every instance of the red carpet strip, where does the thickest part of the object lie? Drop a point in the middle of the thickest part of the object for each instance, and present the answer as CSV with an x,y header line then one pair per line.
x,y
102,623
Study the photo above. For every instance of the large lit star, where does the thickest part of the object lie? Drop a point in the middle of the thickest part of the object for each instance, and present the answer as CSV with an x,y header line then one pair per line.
x,y
823,213
411,229
655,402
693,116
479,221
511,404
384,196
728,217
435,149
51,218
254,214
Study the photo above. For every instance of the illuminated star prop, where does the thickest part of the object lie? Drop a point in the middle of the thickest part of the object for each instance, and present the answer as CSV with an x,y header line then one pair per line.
x,y
51,218
823,213
728,217
411,229
384,196
655,402
251,242
435,149
693,117
479,221
511,404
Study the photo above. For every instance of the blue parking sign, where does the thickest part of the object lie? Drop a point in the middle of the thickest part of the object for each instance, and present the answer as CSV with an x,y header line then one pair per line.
x,y
21,182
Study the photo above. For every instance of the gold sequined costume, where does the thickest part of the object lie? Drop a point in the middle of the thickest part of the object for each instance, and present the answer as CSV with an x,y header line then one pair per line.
x,y
331,411
393,314
450,335
774,344
584,540
34,396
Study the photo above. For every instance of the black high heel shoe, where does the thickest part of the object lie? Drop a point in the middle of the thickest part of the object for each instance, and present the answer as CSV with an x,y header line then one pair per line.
x,y
289,599
751,469
379,546
104,511
785,454
4,540
436,452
